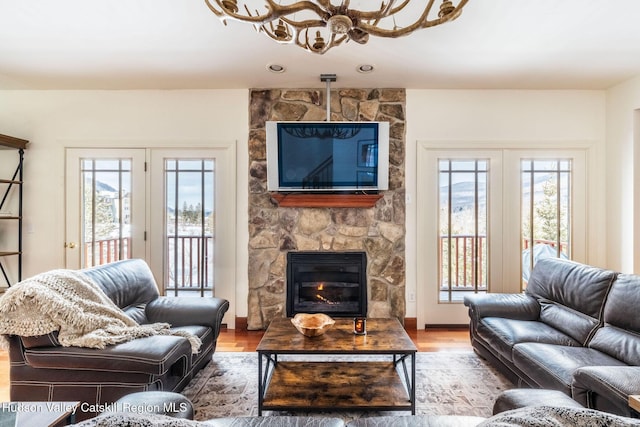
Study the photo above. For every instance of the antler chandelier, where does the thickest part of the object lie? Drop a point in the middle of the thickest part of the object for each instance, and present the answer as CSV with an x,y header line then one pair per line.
x,y
319,25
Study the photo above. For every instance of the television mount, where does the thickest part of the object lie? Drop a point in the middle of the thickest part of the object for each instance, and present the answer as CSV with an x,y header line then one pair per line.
x,y
328,78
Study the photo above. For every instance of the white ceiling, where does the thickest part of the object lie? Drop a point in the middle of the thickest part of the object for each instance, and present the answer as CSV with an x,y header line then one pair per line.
x,y
180,44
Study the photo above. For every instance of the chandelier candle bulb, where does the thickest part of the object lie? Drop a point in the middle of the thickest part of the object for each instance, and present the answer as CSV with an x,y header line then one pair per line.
x,y
359,326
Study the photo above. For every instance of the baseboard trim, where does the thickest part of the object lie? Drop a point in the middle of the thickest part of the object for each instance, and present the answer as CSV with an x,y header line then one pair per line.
x,y
446,326
411,323
242,323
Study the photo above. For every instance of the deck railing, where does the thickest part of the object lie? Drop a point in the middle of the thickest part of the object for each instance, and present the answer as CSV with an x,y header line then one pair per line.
x,y
467,270
186,258
105,251
187,270
468,260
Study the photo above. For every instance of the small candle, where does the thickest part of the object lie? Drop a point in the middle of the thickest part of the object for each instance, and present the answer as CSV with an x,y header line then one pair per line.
x,y
360,326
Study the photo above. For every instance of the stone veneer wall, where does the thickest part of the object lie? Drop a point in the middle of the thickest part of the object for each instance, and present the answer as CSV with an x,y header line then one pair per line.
x,y
274,231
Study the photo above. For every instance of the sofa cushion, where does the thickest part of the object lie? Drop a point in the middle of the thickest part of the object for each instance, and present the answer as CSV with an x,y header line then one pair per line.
x,y
622,301
618,343
571,295
128,283
154,355
606,387
620,336
502,334
552,366
203,332
203,356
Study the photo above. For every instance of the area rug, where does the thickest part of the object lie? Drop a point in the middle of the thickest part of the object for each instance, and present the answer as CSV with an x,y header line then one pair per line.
x,y
453,383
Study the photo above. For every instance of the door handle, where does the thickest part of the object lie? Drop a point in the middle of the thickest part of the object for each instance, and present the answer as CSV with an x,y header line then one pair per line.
x,y
70,245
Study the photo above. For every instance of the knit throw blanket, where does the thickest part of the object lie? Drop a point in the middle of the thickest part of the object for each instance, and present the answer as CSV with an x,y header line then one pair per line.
x,y
71,303
555,416
139,420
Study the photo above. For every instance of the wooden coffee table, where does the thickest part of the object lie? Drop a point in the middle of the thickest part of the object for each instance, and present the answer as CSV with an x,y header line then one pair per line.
x,y
634,403
318,380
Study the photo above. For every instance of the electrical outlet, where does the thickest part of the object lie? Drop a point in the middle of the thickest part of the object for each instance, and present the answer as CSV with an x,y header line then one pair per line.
x,y
412,297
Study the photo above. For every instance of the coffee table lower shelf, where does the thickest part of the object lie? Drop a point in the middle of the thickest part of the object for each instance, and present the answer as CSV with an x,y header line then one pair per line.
x,y
336,386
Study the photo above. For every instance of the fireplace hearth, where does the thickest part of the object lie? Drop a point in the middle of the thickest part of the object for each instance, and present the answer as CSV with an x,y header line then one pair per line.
x,y
333,283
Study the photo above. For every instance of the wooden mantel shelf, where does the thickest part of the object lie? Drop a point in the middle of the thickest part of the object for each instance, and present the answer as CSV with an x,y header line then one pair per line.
x,y
312,200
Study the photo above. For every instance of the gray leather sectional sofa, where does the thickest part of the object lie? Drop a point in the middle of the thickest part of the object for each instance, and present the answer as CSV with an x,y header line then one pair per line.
x,y
536,416
576,328
515,407
42,370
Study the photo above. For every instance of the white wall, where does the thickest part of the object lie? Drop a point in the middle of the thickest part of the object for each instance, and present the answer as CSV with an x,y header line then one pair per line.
x,y
53,120
623,176
511,117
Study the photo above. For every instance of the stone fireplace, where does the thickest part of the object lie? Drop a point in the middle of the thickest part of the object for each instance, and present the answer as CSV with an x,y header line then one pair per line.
x,y
333,283
274,231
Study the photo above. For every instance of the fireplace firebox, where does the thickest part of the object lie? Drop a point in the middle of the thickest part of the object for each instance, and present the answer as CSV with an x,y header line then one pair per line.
x,y
333,283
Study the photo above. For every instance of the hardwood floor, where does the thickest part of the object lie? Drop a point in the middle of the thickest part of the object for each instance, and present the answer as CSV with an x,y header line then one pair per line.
x,y
425,340
239,340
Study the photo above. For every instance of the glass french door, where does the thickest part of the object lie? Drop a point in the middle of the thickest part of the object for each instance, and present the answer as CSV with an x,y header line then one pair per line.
x,y
171,207
190,225
459,226
463,226
496,213
545,212
190,216
105,206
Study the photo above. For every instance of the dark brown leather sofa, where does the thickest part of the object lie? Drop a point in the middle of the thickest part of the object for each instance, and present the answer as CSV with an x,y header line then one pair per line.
x,y
576,329
42,370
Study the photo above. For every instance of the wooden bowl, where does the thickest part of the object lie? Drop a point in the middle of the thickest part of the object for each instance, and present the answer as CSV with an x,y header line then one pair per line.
x,y
312,325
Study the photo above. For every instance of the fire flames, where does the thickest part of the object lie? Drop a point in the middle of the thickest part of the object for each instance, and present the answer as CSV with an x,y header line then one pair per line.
x,y
321,298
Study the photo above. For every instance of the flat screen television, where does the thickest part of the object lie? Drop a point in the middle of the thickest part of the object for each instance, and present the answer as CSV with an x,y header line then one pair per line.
x,y
327,156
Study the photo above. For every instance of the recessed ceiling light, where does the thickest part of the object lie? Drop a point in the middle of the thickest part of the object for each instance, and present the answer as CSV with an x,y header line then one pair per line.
x,y
365,68
276,68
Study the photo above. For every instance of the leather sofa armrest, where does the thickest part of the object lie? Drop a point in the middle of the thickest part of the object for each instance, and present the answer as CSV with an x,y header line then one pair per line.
x,y
509,306
599,387
188,311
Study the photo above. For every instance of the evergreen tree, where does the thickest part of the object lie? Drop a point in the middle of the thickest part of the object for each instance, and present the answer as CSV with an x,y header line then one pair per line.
x,y
547,213
104,221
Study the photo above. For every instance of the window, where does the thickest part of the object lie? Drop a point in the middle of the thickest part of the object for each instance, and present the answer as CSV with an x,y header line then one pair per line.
x,y
545,212
105,210
190,225
462,243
